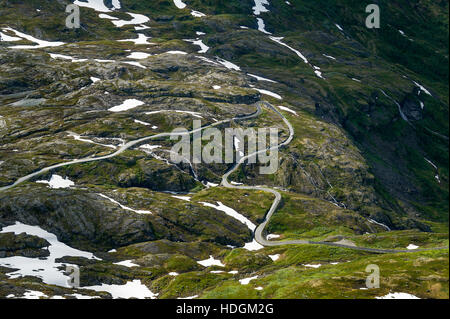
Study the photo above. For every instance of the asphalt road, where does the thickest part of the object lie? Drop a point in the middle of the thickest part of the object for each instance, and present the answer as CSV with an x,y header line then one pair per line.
x,y
125,147
259,232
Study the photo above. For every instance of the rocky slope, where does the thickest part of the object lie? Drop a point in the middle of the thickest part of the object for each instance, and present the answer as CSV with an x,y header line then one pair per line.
x,y
368,163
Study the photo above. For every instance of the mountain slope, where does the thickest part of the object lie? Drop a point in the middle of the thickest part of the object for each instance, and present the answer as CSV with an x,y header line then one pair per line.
x,y
369,108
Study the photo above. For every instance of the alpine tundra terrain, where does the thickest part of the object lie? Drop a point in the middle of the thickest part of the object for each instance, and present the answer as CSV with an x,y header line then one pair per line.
x,y
89,189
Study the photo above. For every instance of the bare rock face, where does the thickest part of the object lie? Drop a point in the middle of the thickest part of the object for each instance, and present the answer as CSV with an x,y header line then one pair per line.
x,y
22,245
76,218
412,109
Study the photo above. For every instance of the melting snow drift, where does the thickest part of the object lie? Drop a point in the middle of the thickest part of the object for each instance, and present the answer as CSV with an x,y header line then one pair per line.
x,y
45,268
58,182
126,105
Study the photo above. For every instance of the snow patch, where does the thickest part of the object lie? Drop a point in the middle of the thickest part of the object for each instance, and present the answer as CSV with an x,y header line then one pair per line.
x,y
141,212
278,40
266,92
422,88
262,26
284,108
197,14
211,262
227,64
203,47
176,52
398,295
260,7
44,268
137,19
39,43
179,4
274,257
141,39
260,78
253,246
329,57
186,198
127,263
126,105
246,281
138,55
132,289
232,213
57,182
135,64
81,139
188,298
313,266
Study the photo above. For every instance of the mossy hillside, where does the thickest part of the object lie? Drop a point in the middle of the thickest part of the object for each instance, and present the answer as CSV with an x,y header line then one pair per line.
x,y
95,274
175,219
132,169
19,286
284,15
197,250
252,204
103,124
356,118
94,223
374,132
372,123
306,282
320,161
50,22
185,285
74,217
420,274
311,41
246,261
402,239
308,41
425,22
302,217
167,20
38,151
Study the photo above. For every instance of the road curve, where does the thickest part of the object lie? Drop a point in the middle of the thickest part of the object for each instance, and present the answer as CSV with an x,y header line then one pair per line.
x,y
126,146
259,237
259,232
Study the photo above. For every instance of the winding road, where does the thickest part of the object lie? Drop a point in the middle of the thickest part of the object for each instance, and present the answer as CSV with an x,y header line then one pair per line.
x,y
259,232
127,146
